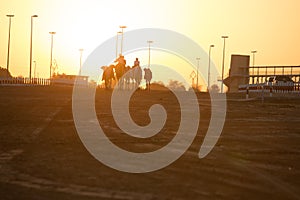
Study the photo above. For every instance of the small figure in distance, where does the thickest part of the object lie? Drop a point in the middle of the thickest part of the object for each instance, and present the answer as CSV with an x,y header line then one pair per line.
x,y
148,77
137,73
136,62
121,60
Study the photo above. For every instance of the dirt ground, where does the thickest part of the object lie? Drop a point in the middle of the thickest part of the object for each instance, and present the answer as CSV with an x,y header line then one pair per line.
x,y
42,157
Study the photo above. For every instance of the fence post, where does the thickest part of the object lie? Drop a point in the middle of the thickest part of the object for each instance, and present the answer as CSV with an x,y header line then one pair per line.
x,y
262,94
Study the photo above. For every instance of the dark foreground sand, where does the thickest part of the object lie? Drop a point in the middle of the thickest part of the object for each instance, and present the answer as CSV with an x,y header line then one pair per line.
x,y
42,157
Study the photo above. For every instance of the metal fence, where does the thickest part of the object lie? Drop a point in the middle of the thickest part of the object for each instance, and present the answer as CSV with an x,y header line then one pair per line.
x,y
271,87
24,81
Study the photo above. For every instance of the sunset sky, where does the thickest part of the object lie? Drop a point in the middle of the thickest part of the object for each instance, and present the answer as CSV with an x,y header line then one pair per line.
x,y
271,27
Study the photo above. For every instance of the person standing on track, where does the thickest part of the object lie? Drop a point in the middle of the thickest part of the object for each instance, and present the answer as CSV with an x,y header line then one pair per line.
x,y
148,77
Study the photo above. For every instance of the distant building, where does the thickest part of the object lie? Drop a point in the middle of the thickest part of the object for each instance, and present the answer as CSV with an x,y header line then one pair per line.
x,y
238,72
69,80
241,74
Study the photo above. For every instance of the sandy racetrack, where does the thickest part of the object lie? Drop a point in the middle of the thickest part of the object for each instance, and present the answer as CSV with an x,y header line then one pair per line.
x,y
42,157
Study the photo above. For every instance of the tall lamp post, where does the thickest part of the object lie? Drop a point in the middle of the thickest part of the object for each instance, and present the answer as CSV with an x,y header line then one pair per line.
x,y
197,79
8,46
122,27
224,37
80,50
149,43
34,69
208,75
117,43
253,62
51,53
30,60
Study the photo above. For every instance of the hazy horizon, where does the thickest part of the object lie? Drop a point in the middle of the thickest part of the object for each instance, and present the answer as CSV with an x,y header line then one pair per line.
x,y
270,28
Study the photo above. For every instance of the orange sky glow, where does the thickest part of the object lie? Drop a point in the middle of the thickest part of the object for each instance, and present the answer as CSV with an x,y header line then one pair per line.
x,y
270,27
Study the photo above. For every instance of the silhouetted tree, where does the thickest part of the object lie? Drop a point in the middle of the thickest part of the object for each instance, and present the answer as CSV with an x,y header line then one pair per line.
x,y
214,88
176,85
159,83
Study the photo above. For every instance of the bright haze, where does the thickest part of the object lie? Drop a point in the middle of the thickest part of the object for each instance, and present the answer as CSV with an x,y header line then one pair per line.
x,y
270,27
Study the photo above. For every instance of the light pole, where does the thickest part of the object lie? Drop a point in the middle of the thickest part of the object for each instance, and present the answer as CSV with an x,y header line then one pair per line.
x,y
197,79
224,37
208,75
30,59
192,76
117,43
80,50
51,53
34,69
253,62
8,46
122,27
149,43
